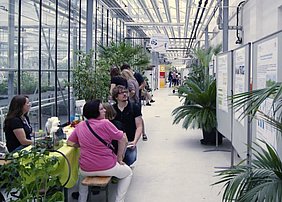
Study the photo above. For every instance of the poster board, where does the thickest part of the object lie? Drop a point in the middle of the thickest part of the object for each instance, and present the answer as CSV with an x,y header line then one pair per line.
x,y
241,58
267,69
223,90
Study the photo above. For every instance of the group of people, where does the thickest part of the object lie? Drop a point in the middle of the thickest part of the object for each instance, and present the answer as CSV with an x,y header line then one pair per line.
x,y
174,78
119,125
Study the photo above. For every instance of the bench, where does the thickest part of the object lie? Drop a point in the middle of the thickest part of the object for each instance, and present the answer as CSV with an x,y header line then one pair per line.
x,y
97,183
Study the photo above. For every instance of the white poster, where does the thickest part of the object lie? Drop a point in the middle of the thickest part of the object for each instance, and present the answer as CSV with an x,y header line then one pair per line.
x,y
239,80
222,81
267,62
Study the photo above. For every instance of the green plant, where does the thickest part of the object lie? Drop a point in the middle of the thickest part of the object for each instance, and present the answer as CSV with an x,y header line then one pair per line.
x,y
199,95
199,109
262,179
90,82
29,83
4,87
30,174
116,54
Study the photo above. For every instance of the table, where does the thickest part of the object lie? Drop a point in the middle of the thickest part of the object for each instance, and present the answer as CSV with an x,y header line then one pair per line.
x,y
62,169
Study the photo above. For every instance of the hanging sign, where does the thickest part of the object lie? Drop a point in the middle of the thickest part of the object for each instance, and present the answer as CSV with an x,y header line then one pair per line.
x,y
159,43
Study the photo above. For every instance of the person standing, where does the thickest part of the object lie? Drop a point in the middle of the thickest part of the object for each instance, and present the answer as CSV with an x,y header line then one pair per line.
x,y
129,114
97,159
17,125
133,86
170,78
142,83
117,79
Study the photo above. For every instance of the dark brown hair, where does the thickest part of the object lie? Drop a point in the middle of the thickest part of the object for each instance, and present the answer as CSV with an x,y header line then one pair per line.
x,y
15,108
117,90
91,109
115,71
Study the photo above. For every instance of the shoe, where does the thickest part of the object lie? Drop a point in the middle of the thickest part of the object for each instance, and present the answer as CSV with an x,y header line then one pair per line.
x,y
75,195
148,104
115,180
152,101
144,137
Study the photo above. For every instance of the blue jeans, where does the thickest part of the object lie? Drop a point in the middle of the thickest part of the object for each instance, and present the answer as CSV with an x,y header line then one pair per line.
x,y
130,156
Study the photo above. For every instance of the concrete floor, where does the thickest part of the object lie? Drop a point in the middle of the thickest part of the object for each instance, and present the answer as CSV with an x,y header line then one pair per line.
x,y
172,165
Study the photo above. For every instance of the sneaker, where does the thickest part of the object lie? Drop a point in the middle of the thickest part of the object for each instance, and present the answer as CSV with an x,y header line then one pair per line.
x,y
148,104
144,137
152,101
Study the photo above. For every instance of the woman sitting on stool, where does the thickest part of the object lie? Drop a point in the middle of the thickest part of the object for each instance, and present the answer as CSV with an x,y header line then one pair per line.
x,y
96,159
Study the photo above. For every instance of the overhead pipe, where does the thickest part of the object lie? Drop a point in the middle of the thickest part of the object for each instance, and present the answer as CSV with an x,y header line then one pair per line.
x,y
199,21
205,18
195,21
239,39
212,15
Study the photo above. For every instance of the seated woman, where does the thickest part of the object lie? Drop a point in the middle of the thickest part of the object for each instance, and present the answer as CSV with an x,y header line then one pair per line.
x,y
16,124
96,159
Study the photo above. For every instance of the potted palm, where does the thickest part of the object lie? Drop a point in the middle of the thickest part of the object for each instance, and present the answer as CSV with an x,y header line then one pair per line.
x,y
261,180
198,94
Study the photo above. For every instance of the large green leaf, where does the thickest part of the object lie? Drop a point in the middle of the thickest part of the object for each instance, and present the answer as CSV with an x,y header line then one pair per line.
x,y
261,181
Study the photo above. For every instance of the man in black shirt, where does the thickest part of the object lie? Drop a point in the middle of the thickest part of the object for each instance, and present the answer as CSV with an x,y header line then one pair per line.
x,y
142,84
130,116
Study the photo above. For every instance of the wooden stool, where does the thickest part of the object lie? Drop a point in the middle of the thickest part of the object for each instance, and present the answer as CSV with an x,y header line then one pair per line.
x,y
97,183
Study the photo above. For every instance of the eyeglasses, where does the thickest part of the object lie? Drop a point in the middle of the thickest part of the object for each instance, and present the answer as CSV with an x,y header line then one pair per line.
x,y
124,91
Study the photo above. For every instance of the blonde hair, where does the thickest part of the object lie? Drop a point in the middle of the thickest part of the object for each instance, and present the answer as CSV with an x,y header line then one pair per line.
x,y
110,111
127,74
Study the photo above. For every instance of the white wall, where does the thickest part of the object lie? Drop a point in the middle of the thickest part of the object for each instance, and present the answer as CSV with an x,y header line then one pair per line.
x,y
259,19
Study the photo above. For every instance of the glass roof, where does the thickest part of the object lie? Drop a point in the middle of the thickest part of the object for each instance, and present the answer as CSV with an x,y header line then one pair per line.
x,y
179,20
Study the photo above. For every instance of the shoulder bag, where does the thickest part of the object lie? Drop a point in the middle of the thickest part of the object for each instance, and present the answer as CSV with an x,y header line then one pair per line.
x,y
109,145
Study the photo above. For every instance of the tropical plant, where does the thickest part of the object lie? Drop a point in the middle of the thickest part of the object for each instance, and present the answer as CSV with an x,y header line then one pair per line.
x,y
262,179
199,109
199,95
116,54
29,176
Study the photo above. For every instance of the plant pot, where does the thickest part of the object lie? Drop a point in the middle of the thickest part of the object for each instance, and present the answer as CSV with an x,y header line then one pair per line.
x,y
209,138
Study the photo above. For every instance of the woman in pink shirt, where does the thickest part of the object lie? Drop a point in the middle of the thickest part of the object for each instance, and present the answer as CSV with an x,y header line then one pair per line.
x,y
96,159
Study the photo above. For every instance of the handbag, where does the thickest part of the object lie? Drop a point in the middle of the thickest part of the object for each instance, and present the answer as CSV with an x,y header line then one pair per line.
x,y
109,145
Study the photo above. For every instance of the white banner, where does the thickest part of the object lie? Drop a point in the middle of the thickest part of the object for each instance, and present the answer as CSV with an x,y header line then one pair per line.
x,y
159,43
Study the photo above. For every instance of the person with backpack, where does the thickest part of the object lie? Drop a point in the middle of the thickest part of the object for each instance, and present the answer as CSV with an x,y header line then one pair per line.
x,y
129,114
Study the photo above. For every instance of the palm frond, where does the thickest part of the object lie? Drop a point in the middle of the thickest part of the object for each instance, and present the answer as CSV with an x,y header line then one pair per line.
x,y
250,101
261,181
